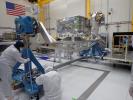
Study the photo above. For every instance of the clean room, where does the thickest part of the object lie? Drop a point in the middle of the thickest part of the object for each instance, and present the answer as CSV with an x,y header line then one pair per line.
x,y
66,49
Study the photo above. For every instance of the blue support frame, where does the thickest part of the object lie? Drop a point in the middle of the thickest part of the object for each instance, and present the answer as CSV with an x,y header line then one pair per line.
x,y
27,26
96,50
27,53
30,85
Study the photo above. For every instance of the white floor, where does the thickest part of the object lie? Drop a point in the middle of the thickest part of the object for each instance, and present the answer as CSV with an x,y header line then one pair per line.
x,y
114,87
76,80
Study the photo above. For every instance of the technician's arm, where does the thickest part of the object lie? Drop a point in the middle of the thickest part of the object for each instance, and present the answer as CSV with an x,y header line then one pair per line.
x,y
19,58
131,84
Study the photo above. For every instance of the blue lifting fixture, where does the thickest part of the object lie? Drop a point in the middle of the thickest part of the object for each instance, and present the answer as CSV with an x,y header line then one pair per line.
x,y
95,51
26,27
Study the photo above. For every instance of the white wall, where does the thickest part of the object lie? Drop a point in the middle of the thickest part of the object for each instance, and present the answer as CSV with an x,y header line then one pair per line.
x,y
66,8
8,20
120,12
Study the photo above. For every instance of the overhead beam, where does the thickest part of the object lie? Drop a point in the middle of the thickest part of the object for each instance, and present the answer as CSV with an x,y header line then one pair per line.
x,y
88,9
131,2
41,4
132,23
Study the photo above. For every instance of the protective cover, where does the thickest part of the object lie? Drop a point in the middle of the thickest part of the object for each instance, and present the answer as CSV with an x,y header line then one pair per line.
x,y
51,82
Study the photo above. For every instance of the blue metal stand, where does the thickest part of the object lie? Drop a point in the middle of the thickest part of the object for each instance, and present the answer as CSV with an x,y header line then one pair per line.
x,y
27,53
26,27
95,50
25,76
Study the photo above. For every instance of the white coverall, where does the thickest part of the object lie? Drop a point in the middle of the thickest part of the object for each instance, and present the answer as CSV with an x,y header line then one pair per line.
x,y
8,59
131,85
51,82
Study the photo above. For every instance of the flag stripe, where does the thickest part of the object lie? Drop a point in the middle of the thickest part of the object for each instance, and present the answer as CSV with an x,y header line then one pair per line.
x,y
16,11
17,14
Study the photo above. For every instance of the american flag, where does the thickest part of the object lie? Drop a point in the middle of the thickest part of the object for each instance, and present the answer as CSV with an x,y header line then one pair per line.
x,y
15,9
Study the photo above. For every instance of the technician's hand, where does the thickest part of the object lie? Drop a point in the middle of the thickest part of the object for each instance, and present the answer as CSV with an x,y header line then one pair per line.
x,y
28,59
131,91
